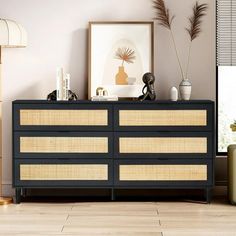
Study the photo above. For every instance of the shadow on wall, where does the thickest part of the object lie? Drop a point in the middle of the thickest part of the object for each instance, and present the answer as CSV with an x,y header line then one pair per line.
x,y
78,62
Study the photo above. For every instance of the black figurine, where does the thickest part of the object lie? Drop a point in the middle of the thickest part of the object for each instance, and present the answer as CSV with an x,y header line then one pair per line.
x,y
53,96
150,94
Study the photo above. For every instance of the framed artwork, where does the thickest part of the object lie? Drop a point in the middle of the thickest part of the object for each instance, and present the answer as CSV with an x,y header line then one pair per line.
x,y
120,53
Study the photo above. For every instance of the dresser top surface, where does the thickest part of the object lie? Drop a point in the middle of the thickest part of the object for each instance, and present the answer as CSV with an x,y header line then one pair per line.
x,y
111,102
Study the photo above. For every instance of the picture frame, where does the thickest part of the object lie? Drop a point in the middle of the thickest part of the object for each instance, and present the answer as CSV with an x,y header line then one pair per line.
x,y
120,53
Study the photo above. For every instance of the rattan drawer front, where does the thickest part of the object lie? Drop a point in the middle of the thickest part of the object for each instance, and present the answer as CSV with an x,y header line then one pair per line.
x,y
93,172
63,117
63,144
129,145
162,172
67,172
163,117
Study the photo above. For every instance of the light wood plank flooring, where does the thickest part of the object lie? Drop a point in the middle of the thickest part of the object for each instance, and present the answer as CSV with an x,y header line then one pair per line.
x,y
119,218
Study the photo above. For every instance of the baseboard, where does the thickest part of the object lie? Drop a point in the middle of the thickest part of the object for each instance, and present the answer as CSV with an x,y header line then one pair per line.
x,y
220,191
8,190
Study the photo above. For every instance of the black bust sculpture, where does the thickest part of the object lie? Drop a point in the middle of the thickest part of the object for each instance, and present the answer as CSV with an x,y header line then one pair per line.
x,y
150,94
53,96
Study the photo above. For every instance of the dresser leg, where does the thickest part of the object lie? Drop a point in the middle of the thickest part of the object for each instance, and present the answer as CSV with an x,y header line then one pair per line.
x,y
113,194
18,195
208,195
24,192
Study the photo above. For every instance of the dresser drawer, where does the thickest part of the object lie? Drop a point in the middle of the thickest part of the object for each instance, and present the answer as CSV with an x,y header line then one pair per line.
x,y
72,117
163,145
63,144
163,117
62,173
162,172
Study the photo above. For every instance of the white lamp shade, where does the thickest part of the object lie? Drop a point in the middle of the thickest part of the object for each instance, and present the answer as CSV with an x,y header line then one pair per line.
x,y
12,34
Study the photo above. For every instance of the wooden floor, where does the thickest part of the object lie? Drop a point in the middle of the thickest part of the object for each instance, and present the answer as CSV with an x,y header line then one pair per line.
x,y
119,218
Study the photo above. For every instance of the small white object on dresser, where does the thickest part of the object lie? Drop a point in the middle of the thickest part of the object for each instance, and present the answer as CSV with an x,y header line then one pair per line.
x,y
173,94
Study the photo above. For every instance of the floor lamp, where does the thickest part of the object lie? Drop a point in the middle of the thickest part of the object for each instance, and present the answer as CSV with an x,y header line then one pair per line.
x,y
12,35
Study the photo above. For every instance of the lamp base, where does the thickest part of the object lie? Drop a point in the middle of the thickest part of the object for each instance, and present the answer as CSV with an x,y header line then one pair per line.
x,y
6,200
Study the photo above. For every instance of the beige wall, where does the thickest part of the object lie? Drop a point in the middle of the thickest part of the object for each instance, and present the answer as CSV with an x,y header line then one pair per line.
x,y
57,32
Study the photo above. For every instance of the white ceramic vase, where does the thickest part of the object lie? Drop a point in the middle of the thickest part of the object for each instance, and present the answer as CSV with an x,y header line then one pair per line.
x,y
174,94
185,89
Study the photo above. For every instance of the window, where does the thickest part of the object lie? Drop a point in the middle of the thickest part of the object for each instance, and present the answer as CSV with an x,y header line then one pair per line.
x,y
226,79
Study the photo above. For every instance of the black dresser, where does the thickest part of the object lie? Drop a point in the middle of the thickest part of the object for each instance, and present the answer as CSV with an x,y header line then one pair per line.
x,y
115,145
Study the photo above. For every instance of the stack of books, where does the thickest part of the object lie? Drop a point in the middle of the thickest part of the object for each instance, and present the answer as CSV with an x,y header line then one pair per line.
x,y
105,98
63,85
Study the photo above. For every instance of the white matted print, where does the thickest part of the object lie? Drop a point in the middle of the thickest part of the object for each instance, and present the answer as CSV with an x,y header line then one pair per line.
x,y
120,54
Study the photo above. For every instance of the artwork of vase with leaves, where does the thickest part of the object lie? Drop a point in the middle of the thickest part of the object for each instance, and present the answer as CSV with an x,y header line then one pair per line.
x,y
125,55
165,19
120,53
